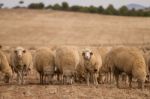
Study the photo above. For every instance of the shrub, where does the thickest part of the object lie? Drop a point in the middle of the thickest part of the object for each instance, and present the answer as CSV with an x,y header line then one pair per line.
x,y
56,7
123,11
65,6
36,6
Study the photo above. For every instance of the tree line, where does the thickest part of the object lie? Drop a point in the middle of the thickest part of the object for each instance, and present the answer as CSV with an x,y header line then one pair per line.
x,y
110,10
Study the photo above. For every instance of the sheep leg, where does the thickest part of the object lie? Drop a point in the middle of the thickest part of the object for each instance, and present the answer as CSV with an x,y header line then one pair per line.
x,y
116,78
107,77
40,78
62,79
19,77
110,77
130,81
71,80
22,77
95,79
88,78
140,85
44,79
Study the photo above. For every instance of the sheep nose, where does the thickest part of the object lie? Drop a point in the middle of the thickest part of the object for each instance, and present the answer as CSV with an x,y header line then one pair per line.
x,y
95,70
19,56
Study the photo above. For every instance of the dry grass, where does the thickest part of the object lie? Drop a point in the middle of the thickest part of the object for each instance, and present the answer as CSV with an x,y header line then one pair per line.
x,y
44,27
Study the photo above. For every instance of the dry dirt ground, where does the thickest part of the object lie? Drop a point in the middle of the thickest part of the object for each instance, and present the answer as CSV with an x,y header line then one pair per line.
x,y
32,28
77,91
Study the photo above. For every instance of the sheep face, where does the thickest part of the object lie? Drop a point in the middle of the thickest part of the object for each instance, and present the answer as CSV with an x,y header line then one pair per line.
x,y
87,54
19,52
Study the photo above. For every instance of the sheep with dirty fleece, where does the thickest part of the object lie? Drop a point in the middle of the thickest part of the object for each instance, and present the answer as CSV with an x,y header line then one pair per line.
x,y
44,64
21,60
146,55
92,64
80,69
128,60
104,77
4,67
66,61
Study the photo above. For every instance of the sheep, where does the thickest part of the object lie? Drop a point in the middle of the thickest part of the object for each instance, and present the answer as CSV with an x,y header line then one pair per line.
x,y
21,60
44,63
66,61
108,76
92,64
5,68
128,60
80,70
146,55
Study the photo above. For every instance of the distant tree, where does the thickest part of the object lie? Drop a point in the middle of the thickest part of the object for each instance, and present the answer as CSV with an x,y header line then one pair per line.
x,y
132,12
21,2
56,7
84,9
65,6
100,9
1,5
111,10
36,6
140,12
49,7
146,13
75,8
92,9
123,11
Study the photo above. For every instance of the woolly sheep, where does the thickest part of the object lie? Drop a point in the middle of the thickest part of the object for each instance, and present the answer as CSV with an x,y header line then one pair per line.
x,y
128,60
80,69
92,64
146,55
108,76
4,67
44,63
21,60
66,61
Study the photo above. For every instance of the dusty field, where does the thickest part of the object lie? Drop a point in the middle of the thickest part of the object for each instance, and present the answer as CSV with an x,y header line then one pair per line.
x,y
34,27
43,28
77,91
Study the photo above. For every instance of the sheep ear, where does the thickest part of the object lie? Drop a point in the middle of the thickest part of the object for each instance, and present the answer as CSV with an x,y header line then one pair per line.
x,y
0,46
24,51
15,51
91,53
83,54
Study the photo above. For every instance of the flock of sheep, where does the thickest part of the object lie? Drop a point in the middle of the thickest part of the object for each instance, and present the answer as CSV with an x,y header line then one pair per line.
x,y
70,64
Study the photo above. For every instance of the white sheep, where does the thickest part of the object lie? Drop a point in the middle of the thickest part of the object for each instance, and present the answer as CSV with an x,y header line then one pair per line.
x,y
4,67
21,60
128,60
92,64
44,63
108,76
66,61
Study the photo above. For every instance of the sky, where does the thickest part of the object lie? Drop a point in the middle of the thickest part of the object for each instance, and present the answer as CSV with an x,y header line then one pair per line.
x,y
104,3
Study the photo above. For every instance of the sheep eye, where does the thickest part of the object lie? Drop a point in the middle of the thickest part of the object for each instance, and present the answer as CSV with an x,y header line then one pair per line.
x,y
91,53
24,51
83,54
15,51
